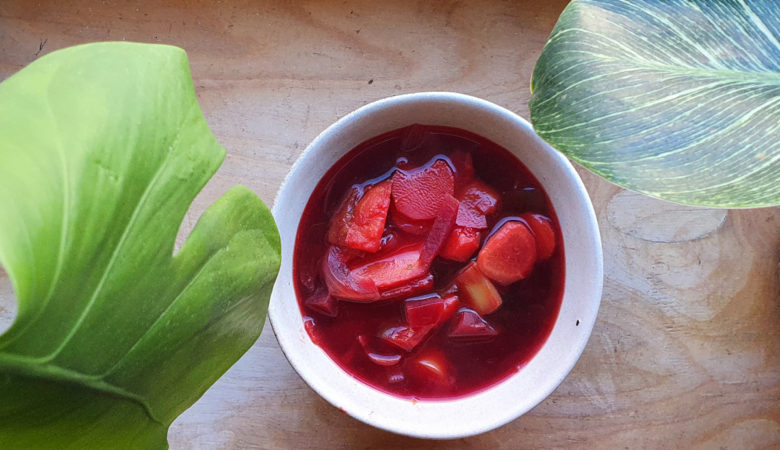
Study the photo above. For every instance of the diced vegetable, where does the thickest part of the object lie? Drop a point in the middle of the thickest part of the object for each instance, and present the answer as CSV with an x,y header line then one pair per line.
x,y
442,227
425,310
509,254
476,290
418,193
461,244
322,302
378,351
415,287
344,284
477,200
542,229
359,224
339,222
394,269
430,309
405,337
407,225
468,326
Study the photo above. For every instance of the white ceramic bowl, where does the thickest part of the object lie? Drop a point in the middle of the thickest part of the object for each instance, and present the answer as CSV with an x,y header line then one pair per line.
x,y
517,394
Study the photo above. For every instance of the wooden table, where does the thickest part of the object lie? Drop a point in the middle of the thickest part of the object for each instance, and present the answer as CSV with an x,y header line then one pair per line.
x,y
686,350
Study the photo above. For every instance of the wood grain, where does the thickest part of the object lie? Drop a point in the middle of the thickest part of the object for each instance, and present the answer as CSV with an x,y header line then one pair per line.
x,y
686,350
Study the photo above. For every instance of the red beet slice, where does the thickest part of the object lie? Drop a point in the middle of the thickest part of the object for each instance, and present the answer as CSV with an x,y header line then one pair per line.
x,y
542,228
425,310
418,193
509,254
470,326
476,290
415,287
442,227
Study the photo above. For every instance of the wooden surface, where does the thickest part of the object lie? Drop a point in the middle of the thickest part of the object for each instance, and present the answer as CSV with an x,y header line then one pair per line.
x,y
686,350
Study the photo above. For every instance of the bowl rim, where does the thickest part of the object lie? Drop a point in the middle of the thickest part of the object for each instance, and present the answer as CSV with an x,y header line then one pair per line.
x,y
289,340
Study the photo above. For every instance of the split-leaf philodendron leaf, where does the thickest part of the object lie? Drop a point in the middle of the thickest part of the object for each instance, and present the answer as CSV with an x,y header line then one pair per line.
x,y
678,99
102,149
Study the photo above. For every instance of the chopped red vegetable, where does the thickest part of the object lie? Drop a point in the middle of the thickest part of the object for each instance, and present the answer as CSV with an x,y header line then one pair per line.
x,y
477,200
461,244
470,326
442,227
543,232
414,287
424,310
509,254
394,269
405,337
344,284
359,224
418,193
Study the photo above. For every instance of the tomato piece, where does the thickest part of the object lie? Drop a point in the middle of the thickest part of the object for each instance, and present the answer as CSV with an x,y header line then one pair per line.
x,y
541,227
425,310
442,227
344,284
477,200
378,352
476,290
509,254
405,337
470,326
322,302
464,167
412,288
430,367
418,193
461,244
360,220
394,269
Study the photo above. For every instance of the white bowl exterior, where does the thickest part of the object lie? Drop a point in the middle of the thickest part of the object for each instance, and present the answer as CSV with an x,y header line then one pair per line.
x,y
522,391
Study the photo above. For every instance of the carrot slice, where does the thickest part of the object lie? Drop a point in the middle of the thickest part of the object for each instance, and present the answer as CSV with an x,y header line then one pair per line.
x,y
541,226
509,254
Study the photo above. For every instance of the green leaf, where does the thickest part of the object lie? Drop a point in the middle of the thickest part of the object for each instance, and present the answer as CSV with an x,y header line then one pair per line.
x,y
102,149
678,99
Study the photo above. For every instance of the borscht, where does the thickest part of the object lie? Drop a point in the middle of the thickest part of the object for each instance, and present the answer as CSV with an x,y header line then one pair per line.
x,y
428,263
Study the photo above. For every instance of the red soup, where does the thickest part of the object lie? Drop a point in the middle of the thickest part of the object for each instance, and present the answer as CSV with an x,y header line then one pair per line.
x,y
429,263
